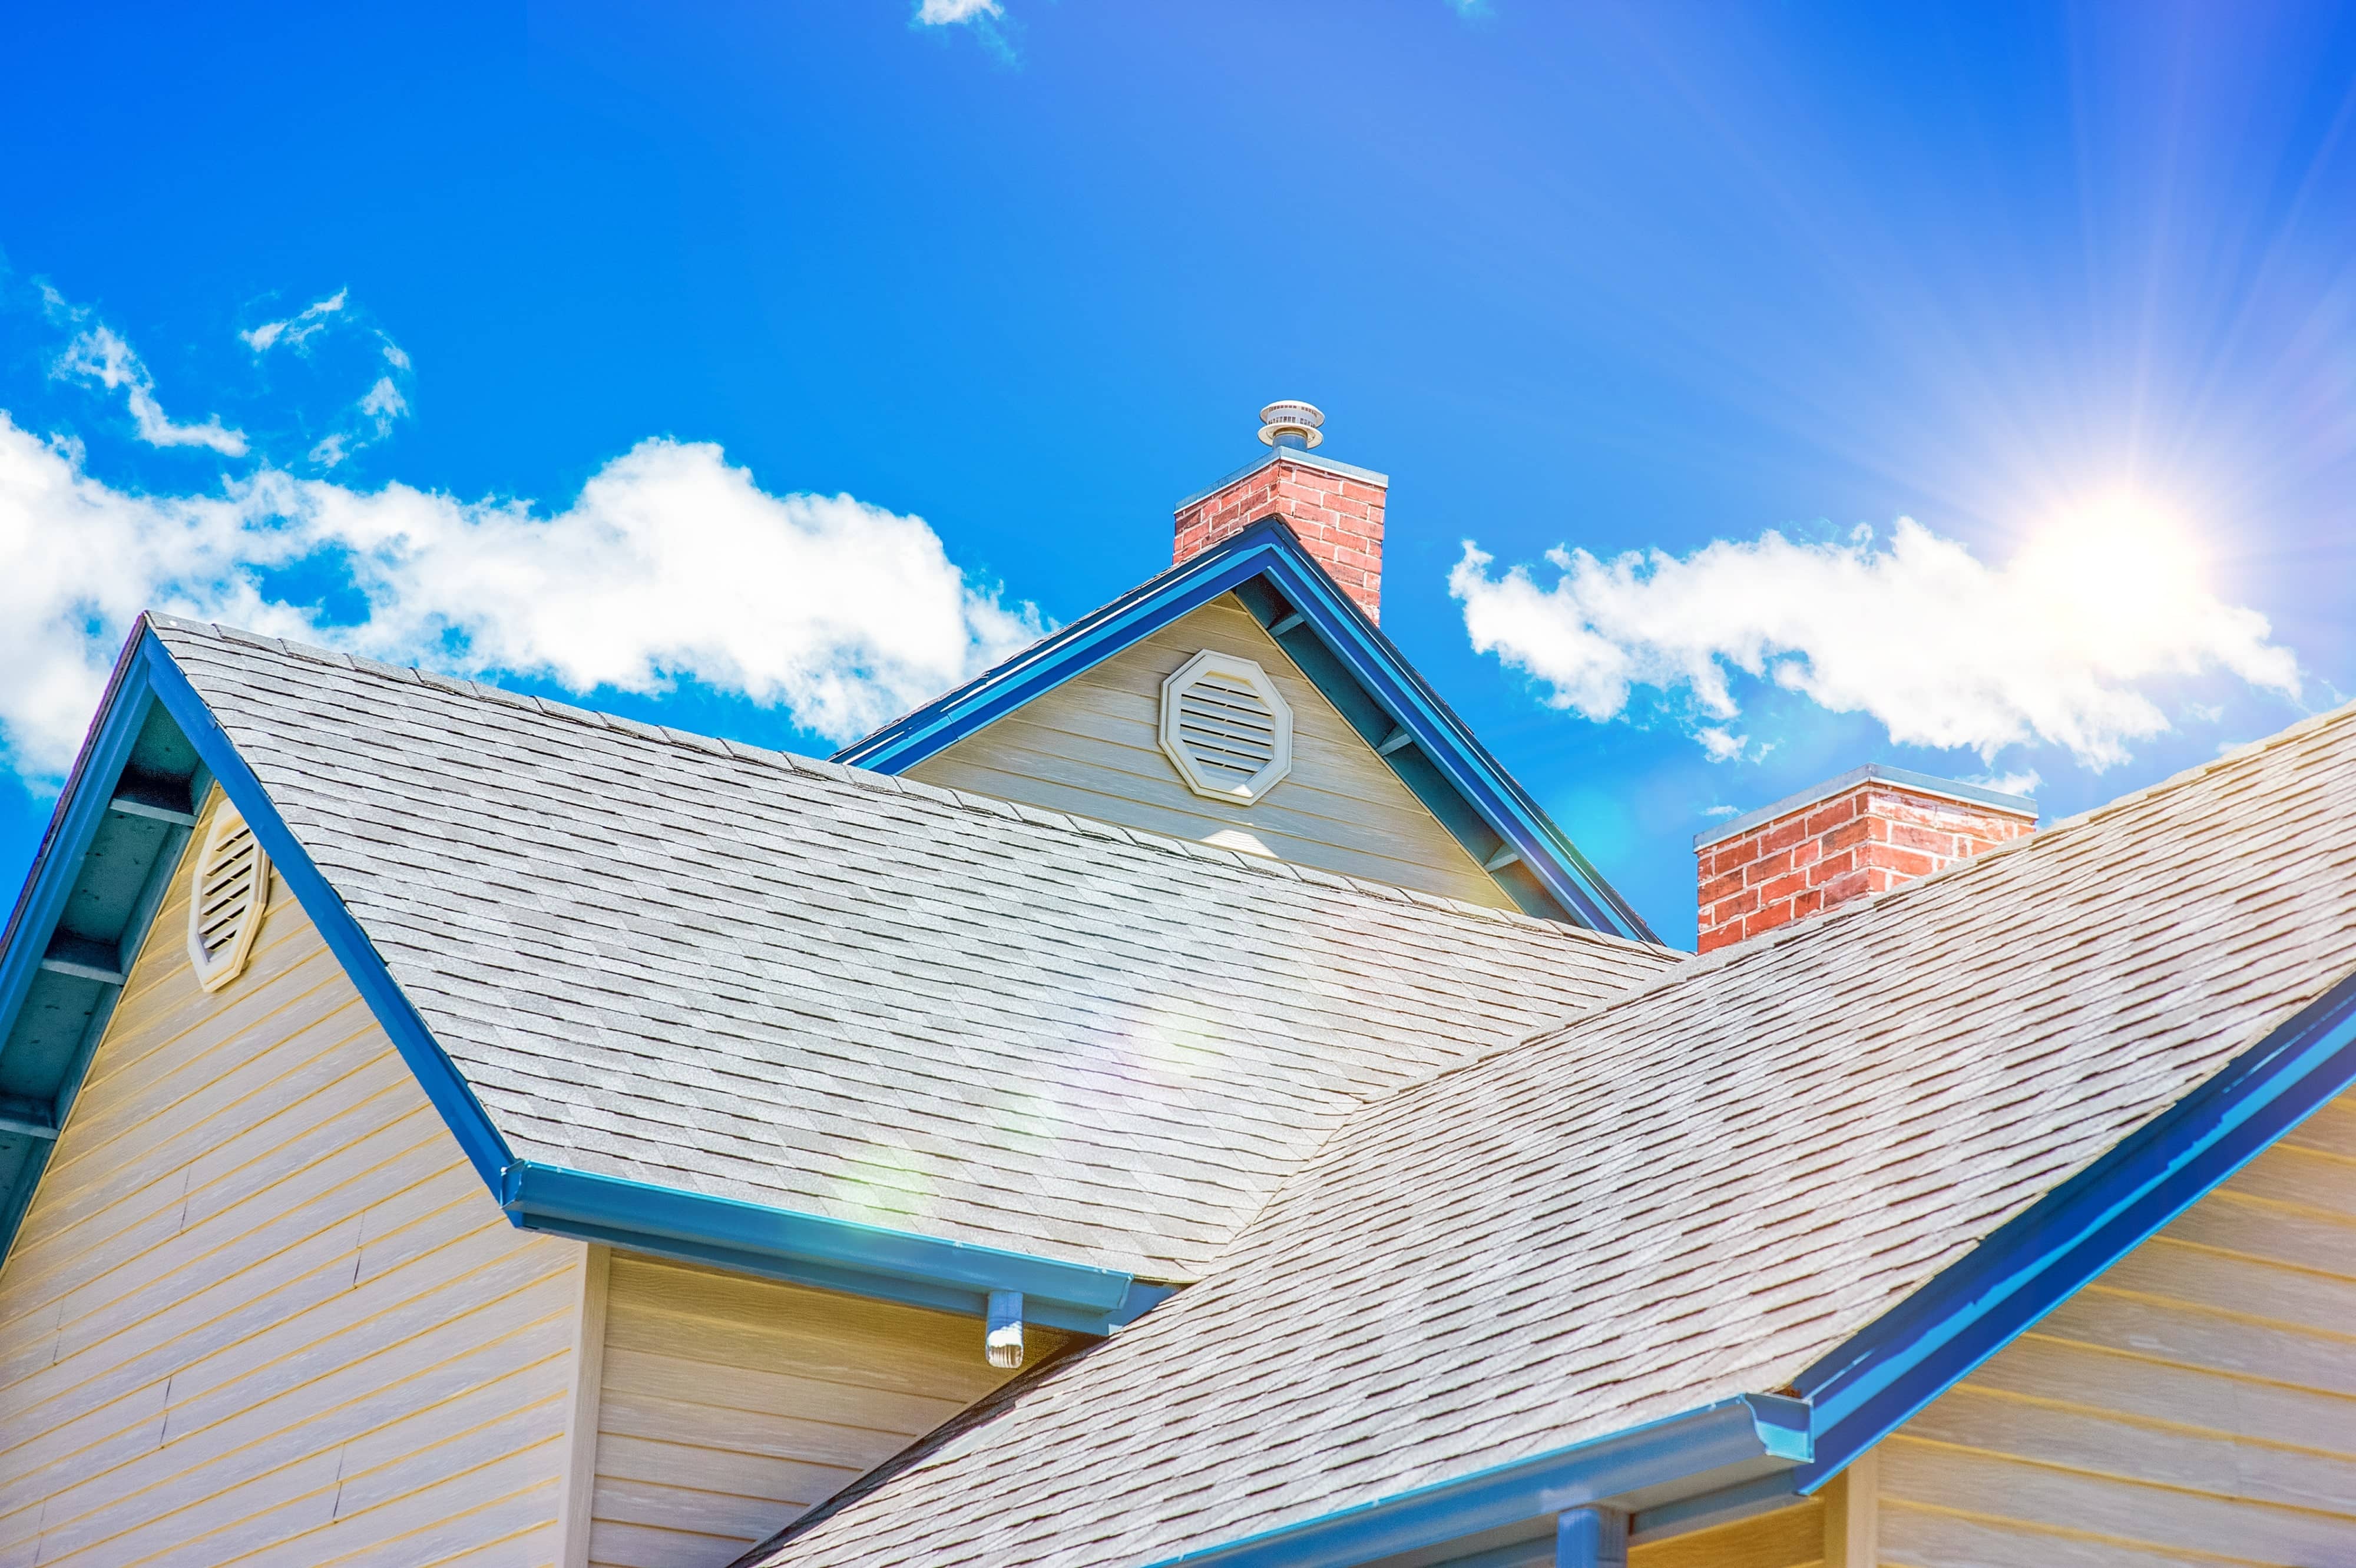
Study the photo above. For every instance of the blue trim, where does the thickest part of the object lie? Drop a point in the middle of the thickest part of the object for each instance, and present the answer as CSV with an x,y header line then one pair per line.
x,y
1911,1355
1700,1451
1269,550
439,1077
57,868
833,1255
812,1249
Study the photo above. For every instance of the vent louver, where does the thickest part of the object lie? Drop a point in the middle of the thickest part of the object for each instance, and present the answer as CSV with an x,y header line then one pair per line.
x,y
1225,728
226,900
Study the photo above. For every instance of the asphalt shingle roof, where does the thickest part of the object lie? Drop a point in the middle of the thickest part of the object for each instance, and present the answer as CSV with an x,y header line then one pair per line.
x,y
1693,1191
682,961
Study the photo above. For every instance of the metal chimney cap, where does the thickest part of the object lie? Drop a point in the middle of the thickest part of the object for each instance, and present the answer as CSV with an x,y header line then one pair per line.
x,y
1289,422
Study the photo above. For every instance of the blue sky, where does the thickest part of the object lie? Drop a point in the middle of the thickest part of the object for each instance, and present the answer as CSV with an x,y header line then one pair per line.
x,y
795,356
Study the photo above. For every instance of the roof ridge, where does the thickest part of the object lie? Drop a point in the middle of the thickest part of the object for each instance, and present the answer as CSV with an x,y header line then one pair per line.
x,y
1703,964
863,777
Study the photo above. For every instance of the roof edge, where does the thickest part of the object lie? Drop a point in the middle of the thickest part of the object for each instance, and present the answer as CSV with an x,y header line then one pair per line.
x,y
1881,1376
1872,772
815,1249
444,1085
1689,1455
1268,549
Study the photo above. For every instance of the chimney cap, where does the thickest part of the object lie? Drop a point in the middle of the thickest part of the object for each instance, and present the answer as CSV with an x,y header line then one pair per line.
x,y
1289,422
1872,773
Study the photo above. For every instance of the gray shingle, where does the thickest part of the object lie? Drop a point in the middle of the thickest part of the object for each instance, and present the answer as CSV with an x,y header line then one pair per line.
x,y
796,984
1693,1191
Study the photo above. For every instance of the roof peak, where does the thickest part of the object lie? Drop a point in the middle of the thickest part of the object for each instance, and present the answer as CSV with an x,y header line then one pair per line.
x,y
884,783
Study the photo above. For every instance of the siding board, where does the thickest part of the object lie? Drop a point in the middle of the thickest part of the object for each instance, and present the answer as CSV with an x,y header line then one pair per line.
x,y
729,1405
1788,1538
261,1310
1091,747
2197,1404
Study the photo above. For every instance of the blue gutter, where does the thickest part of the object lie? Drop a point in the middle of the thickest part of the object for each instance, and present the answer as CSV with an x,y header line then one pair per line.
x,y
1267,549
1700,1451
2034,1262
812,1249
832,1254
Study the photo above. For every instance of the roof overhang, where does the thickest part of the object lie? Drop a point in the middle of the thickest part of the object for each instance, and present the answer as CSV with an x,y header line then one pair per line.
x,y
152,755
1722,1461
1360,670
2045,1254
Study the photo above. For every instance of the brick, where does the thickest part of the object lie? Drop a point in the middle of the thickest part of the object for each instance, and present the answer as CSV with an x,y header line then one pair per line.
x,y
1737,852
1831,814
1873,838
1339,522
1848,835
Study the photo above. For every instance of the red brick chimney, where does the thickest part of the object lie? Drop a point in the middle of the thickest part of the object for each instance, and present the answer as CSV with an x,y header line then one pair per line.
x,y
1865,831
1334,510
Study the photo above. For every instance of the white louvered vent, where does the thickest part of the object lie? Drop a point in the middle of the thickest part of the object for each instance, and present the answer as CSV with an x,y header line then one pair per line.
x,y
227,900
1225,728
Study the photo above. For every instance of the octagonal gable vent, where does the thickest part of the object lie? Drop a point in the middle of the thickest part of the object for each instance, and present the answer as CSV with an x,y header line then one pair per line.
x,y
227,900
1225,728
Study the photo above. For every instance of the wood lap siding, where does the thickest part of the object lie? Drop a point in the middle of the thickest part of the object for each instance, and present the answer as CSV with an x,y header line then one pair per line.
x,y
2195,1404
727,1406
261,1310
1789,1537
1092,747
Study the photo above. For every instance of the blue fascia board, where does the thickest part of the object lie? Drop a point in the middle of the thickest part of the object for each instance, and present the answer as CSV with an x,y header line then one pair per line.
x,y
1268,549
83,805
1879,1378
831,1254
1695,1453
448,1091
811,1248
56,867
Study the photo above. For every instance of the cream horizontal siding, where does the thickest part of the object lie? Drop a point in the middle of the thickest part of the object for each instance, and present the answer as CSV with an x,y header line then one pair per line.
x,y
1092,747
1788,1538
727,1406
261,1310
2196,1404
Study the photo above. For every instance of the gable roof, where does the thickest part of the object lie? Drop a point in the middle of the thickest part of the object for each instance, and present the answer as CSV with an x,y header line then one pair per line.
x,y
1360,670
1838,1164
812,1021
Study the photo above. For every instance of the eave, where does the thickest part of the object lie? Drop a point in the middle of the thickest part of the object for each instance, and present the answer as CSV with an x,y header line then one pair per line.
x,y
1359,670
156,745
1881,1376
1687,1471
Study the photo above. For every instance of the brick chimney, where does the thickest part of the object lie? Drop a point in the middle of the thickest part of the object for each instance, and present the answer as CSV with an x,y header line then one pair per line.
x,y
1334,510
1865,831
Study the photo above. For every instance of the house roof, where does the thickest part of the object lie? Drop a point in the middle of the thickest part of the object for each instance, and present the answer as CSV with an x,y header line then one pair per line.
x,y
703,968
1741,1178
1360,670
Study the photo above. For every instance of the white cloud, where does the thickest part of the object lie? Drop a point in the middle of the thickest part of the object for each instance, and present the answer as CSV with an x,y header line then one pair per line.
x,y
942,13
98,355
296,328
1944,650
376,411
2024,782
670,564
383,403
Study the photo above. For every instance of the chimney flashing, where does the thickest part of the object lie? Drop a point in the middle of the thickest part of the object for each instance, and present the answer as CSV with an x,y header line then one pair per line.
x,y
1294,455
1874,773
